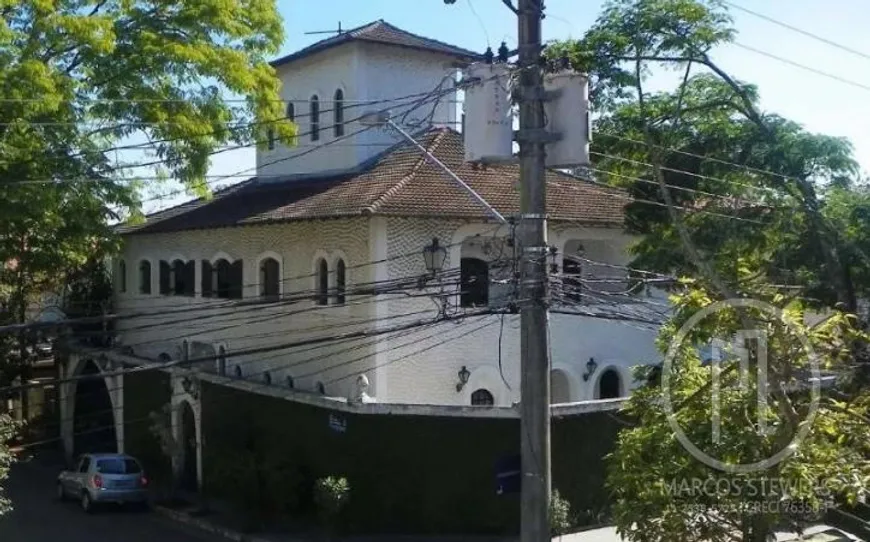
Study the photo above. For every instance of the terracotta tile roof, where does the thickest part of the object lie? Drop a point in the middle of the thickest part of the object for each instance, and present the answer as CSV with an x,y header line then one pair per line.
x,y
398,182
384,33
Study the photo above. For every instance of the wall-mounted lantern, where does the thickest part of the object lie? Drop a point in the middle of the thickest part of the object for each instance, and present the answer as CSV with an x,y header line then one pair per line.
x,y
464,374
434,255
591,366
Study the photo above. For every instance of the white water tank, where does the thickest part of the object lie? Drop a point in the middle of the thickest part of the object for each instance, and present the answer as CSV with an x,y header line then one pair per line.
x,y
488,127
568,115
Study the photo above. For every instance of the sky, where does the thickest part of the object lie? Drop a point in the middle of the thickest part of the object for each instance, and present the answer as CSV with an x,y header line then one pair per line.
x,y
820,103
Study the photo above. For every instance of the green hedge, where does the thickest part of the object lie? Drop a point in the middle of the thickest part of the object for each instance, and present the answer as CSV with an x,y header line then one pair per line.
x,y
407,474
146,392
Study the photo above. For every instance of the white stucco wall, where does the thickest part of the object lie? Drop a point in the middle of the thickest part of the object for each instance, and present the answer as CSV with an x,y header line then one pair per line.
x,y
366,73
418,365
319,75
296,245
422,366
387,73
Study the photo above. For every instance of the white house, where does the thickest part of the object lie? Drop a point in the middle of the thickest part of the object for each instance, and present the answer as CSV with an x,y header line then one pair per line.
x,y
311,274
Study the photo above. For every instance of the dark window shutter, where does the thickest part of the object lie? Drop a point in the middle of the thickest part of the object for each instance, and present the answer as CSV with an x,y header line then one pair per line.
x,y
236,280
178,276
340,282
165,280
269,278
572,281
206,284
222,280
144,277
322,283
190,278
474,282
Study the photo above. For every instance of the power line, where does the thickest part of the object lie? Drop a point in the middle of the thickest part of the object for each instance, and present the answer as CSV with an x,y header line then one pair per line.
x,y
407,101
256,350
631,199
258,384
799,30
795,64
360,288
700,156
684,172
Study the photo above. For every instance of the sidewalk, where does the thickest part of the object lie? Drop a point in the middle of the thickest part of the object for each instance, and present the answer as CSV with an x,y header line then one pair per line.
x,y
819,533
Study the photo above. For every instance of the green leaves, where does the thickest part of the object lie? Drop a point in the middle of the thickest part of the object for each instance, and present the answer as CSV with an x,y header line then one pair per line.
x,y
82,79
664,492
7,431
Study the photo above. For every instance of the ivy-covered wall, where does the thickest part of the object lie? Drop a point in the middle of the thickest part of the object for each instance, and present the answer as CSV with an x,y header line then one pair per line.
x,y
146,392
408,474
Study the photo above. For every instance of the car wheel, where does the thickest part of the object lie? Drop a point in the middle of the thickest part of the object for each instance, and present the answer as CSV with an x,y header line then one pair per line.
x,y
60,492
87,504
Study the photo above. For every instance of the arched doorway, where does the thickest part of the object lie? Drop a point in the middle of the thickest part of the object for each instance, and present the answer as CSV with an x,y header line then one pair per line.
x,y
94,417
190,467
560,387
609,385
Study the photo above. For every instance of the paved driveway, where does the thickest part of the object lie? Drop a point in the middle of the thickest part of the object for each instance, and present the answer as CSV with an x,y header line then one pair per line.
x,y
38,518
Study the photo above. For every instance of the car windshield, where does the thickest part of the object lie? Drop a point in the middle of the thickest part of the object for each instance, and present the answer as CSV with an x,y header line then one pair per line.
x,y
118,466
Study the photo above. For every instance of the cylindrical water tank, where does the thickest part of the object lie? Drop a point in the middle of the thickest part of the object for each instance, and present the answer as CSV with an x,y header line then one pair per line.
x,y
488,127
568,116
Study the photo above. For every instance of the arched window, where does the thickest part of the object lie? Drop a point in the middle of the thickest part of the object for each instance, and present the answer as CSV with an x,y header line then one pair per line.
x,y
560,387
290,382
228,279
183,277
474,282
222,361
177,277
340,280
291,111
321,388
322,282
267,378
315,118
165,278
206,281
482,397
270,278
237,371
122,276
338,113
609,385
144,277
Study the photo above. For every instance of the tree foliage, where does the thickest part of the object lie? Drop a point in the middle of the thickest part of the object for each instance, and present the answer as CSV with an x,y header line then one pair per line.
x,y
746,183
81,78
663,492
7,431
93,93
751,205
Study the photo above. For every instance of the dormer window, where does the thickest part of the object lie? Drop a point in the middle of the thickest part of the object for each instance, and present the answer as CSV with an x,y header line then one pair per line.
x,y
315,118
338,113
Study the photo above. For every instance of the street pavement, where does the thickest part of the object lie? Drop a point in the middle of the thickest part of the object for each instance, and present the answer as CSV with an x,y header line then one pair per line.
x,y
38,517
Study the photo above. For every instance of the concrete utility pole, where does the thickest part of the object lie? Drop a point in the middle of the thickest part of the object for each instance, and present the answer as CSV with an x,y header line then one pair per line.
x,y
532,233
